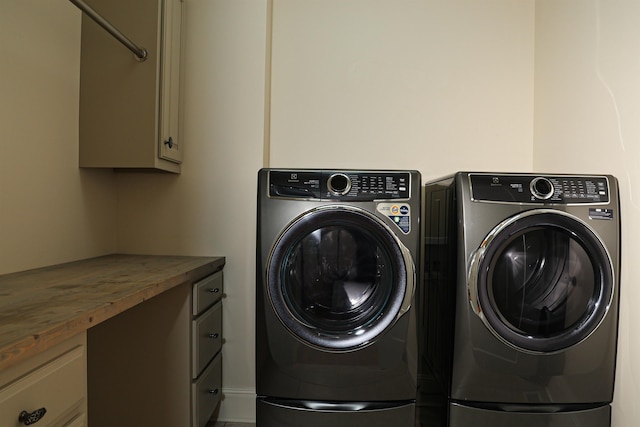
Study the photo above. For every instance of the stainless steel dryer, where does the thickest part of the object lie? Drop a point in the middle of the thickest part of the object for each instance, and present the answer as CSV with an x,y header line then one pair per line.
x,y
336,341
522,274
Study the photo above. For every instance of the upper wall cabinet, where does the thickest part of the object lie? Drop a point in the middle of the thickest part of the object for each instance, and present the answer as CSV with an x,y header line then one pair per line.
x,y
130,109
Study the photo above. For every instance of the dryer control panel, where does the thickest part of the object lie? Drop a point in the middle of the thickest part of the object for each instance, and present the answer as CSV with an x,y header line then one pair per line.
x,y
340,185
561,189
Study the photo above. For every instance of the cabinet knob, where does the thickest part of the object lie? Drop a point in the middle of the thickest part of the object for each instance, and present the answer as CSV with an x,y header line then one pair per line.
x,y
169,142
213,392
214,335
214,290
27,418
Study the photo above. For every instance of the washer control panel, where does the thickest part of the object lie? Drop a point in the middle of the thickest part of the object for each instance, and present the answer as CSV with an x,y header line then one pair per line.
x,y
339,185
563,189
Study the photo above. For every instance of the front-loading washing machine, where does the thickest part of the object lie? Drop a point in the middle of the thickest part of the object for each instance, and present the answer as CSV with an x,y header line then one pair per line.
x,y
336,340
521,280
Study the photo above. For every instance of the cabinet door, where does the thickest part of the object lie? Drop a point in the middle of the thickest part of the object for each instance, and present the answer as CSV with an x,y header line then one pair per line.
x,y
129,108
170,81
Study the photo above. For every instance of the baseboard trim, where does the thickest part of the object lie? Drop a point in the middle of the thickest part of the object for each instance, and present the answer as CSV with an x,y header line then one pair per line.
x,y
238,405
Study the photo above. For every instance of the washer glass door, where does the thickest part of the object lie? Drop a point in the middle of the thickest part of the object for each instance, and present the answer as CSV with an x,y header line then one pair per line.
x,y
338,277
542,281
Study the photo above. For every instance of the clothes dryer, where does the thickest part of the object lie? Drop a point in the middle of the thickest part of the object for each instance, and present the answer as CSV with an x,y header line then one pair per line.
x,y
522,276
336,341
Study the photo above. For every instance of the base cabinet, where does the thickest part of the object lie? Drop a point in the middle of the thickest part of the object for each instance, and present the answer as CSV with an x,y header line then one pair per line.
x,y
158,364
206,360
49,389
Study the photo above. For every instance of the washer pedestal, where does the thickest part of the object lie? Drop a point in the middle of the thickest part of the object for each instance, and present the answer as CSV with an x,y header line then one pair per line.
x,y
272,413
464,416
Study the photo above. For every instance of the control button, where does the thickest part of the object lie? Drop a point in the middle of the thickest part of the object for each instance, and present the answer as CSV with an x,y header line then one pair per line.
x,y
339,184
541,188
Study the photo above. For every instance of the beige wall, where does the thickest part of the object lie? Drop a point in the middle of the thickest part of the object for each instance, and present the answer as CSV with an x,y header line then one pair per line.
x,y
50,211
210,208
437,86
434,86
587,92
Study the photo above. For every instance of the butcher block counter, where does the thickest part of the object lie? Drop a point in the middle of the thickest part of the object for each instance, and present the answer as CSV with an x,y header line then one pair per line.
x,y
41,308
49,309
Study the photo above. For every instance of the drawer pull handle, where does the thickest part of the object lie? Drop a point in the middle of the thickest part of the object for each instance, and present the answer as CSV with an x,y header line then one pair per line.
x,y
213,336
27,418
213,392
214,290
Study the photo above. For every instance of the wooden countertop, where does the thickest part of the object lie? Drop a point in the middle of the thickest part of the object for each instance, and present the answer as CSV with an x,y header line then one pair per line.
x,y
43,307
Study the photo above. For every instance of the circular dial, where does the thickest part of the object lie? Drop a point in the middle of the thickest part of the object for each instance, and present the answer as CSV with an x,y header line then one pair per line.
x,y
339,184
541,188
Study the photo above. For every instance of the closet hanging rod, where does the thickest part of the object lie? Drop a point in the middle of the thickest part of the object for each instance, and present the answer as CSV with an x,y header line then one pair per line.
x,y
140,52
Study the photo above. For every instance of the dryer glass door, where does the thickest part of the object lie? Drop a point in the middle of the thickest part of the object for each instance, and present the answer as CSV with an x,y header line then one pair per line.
x,y
543,281
338,277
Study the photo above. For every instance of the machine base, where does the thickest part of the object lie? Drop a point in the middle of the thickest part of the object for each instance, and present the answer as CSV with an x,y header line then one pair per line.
x,y
465,416
271,413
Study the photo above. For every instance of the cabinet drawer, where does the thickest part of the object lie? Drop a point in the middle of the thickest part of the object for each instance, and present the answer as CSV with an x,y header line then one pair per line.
x,y
207,338
206,292
58,386
206,392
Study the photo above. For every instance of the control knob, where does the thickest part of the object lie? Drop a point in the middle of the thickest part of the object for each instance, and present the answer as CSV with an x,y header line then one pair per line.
x,y
541,188
339,184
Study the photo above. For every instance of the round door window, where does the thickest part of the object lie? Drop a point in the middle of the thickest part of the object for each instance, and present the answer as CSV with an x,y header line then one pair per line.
x,y
544,281
337,278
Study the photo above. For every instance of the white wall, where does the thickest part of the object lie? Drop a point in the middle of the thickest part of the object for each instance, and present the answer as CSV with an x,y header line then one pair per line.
x,y
50,211
587,105
434,85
